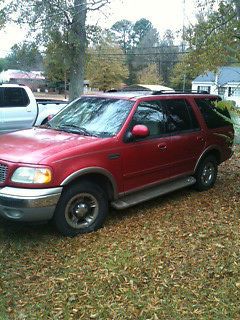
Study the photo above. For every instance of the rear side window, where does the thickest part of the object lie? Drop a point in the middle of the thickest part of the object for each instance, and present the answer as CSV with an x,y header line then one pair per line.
x,y
180,116
13,97
214,116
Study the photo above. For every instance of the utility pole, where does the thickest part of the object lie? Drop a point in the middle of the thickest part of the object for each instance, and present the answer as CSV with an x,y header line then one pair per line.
x,y
183,24
65,78
183,42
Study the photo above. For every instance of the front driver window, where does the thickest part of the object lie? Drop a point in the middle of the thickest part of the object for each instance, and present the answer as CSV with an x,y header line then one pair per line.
x,y
150,114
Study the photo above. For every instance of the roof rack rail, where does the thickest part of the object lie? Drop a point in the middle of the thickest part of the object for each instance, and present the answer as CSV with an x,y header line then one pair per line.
x,y
162,92
159,92
130,90
112,90
179,92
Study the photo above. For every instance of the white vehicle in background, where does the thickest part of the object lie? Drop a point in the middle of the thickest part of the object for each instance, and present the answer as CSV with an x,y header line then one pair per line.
x,y
46,108
20,110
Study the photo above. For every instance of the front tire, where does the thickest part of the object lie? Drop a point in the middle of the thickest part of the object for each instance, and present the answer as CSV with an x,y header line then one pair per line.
x,y
82,208
206,174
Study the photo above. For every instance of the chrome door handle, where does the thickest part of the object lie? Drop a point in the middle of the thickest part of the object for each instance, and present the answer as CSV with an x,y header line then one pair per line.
x,y
162,146
200,139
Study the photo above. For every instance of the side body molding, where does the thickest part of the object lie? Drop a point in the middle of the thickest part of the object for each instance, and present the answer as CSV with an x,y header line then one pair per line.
x,y
92,170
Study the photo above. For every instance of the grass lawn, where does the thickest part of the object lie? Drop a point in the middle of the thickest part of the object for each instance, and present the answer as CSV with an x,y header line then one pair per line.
x,y
175,257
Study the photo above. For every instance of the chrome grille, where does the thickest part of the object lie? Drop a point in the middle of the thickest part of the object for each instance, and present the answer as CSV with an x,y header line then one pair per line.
x,y
3,172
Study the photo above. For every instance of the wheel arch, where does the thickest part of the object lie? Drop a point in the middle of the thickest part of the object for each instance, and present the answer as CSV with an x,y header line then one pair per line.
x,y
214,151
99,176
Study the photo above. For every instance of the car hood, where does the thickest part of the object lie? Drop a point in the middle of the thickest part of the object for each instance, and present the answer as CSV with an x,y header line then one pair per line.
x,y
36,144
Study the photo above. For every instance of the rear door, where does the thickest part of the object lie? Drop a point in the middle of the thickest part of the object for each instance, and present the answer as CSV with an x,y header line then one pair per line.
x,y
18,113
187,138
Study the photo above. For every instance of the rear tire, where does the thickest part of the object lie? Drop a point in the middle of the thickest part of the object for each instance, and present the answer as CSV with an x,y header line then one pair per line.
x,y
82,208
206,174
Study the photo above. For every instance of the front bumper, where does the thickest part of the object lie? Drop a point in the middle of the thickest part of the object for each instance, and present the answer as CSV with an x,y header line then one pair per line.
x,y
28,204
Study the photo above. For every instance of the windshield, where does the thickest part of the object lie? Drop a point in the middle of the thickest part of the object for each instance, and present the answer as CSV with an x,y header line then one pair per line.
x,y
93,116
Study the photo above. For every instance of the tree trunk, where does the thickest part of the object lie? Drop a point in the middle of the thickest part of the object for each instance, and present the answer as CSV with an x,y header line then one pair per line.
x,y
78,45
76,74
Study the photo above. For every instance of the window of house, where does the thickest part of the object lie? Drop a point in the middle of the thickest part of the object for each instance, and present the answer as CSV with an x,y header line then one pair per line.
x,y
214,116
180,116
229,91
235,92
222,91
14,97
204,89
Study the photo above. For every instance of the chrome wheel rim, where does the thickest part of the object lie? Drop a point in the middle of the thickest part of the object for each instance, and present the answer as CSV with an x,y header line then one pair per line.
x,y
81,210
208,173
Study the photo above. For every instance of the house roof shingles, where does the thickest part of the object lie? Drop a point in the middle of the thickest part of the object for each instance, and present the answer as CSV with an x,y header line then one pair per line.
x,y
19,74
224,75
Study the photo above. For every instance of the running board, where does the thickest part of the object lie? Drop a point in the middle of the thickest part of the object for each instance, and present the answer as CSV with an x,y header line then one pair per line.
x,y
147,194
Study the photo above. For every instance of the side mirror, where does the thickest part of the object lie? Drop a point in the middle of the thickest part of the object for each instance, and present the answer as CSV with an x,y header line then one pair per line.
x,y
50,117
140,131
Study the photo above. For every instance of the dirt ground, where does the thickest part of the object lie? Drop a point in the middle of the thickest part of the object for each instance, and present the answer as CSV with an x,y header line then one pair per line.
x,y
176,257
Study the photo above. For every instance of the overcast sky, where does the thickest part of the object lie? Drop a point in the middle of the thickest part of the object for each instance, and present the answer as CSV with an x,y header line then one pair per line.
x,y
164,14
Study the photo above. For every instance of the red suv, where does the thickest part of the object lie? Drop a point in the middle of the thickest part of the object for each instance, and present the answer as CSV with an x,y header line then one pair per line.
x,y
115,149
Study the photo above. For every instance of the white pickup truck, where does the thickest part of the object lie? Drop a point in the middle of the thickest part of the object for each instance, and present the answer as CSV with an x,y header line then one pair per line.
x,y
20,110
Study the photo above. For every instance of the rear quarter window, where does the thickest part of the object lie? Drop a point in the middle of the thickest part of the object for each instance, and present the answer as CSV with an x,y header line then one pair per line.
x,y
214,116
14,97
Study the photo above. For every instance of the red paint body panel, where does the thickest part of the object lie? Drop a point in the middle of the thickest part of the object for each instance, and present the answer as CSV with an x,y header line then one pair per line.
x,y
145,162
185,150
35,146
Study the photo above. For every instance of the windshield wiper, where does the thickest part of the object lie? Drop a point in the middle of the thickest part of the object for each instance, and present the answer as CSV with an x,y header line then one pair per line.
x,y
71,128
47,125
44,125
104,134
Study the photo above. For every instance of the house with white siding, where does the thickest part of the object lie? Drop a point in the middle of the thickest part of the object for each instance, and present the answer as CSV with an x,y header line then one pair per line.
x,y
225,82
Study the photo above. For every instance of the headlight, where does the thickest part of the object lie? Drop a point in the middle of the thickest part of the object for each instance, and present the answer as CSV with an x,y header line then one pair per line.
x,y
32,175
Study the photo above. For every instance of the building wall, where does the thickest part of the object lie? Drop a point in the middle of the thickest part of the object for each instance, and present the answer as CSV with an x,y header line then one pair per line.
x,y
205,86
230,91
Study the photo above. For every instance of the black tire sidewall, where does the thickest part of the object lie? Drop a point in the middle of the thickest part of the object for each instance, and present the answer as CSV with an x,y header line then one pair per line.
x,y
69,192
199,185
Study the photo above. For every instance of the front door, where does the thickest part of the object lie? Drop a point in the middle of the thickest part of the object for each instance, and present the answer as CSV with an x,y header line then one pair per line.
x,y
146,161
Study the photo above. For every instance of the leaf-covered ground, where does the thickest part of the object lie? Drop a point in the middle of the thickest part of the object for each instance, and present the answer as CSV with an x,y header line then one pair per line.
x,y
176,257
